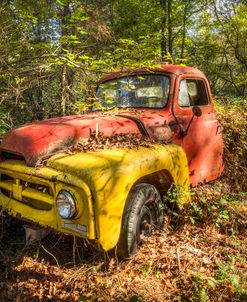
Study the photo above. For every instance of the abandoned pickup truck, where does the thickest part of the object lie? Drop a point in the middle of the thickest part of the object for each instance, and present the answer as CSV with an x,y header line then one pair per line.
x,y
113,196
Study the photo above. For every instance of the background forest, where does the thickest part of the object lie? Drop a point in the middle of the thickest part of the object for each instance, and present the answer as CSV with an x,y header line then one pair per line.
x,y
52,53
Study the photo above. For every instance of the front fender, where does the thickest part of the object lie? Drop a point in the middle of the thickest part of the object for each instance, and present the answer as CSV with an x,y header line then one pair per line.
x,y
110,175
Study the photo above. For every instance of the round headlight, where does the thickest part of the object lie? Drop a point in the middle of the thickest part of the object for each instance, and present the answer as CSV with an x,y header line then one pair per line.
x,y
65,204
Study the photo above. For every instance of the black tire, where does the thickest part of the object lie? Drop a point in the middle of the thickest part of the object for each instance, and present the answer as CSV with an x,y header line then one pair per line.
x,y
142,212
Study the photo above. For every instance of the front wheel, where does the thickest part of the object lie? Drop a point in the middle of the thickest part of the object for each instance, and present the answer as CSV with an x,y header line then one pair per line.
x,y
142,212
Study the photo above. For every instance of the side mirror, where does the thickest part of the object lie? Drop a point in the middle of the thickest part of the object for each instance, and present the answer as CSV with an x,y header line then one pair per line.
x,y
196,111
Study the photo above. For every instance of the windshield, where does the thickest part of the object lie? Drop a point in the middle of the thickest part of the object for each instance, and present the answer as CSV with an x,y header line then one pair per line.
x,y
147,91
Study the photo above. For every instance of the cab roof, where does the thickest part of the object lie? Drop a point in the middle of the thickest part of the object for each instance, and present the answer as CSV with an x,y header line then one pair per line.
x,y
171,69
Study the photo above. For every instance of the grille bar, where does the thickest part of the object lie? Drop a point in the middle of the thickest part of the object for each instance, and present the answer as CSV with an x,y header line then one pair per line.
x,y
7,185
33,194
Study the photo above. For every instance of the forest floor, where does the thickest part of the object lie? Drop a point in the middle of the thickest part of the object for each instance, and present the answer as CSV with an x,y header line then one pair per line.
x,y
200,255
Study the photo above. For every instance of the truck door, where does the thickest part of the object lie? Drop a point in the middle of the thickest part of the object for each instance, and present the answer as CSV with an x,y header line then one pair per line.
x,y
198,130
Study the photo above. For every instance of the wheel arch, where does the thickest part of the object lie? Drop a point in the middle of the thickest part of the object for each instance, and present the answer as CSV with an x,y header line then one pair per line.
x,y
160,166
162,180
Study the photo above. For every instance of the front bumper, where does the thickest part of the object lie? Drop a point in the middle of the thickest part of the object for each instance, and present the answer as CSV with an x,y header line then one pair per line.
x,y
30,194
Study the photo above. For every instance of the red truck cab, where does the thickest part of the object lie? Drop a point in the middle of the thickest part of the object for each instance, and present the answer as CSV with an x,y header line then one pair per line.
x,y
179,108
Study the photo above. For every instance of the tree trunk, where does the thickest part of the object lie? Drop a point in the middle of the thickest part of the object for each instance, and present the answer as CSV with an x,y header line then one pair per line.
x,y
64,86
184,32
66,73
163,43
169,12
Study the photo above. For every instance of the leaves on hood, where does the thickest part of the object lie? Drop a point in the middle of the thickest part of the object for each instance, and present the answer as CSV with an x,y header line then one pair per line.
x,y
98,141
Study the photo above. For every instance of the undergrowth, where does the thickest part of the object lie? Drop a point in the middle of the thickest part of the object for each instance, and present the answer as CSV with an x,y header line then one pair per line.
x,y
232,114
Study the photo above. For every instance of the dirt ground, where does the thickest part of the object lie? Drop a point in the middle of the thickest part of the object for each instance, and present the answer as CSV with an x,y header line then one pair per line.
x,y
198,256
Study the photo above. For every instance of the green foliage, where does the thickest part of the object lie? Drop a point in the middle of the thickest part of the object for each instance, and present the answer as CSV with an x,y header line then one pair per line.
x,y
134,298
4,124
146,268
200,293
232,113
225,275
174,199
132,21
203,211
228,273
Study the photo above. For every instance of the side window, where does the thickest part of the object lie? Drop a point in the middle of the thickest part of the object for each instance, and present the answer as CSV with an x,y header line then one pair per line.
x,y
192,92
